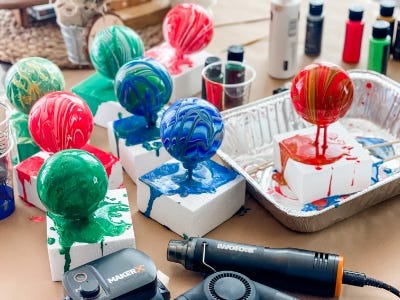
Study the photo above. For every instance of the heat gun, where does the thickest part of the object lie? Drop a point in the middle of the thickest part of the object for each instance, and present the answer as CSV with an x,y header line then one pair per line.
x,y
290,269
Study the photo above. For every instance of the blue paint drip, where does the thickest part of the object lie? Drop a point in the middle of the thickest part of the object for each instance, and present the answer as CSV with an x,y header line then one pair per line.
x,y
375,171
322,203
154,194
7,203
172,178
134,130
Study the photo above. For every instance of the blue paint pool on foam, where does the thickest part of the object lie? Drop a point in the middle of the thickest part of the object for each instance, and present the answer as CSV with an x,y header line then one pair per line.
x,y
171,179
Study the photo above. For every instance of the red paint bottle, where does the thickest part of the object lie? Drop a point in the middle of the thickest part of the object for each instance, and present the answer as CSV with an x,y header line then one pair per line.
x,y
353,35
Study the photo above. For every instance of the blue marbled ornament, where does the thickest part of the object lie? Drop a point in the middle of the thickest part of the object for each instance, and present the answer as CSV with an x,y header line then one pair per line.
x,y
191,131
143,86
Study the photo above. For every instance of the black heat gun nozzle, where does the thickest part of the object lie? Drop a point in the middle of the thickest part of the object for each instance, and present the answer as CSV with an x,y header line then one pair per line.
x,y
287,269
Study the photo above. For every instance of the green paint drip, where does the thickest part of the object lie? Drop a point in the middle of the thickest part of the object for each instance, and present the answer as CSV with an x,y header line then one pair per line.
x,y
26,147
105,221
153,145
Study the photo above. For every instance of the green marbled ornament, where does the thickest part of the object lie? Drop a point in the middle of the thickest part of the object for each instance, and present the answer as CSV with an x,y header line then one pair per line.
x,y
71,184
114,46
29,79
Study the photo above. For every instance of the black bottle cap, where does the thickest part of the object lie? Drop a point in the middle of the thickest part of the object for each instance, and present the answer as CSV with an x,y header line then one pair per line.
x,y
316,7
214,71
236,53
380,29
211,59
387,8
356,13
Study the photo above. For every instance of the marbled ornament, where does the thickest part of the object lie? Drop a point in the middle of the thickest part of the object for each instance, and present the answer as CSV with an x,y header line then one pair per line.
x,y
188,28
71,184
114,46
60,120
322,93
191,130
29,79
143,86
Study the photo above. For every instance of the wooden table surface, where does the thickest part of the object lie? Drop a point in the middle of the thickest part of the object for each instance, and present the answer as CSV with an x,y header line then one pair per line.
x,y
369,241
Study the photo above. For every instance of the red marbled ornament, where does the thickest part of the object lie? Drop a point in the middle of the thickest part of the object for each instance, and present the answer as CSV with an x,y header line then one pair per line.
x,y
322,93
188,28
60,120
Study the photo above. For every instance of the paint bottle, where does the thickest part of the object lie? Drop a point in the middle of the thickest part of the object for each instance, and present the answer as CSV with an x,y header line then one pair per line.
x,y
209,60
314,28
396,45
386,12
283,38
353,35
234,73
235,53
379,47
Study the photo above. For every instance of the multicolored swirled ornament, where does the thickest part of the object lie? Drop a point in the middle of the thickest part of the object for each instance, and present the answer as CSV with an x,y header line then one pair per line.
x,y
191,131
188,28
322,93
71,183
29,79
60,120
143,86
114,46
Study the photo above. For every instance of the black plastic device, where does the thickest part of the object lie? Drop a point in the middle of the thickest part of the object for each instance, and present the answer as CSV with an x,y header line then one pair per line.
x,y
286,269
125,274
229,285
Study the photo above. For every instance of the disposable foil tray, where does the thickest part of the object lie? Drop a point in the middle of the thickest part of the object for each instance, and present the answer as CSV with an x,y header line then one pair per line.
x,y
247,148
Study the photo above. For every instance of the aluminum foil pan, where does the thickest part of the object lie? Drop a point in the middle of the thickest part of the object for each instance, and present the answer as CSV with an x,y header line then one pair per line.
x,y
247,148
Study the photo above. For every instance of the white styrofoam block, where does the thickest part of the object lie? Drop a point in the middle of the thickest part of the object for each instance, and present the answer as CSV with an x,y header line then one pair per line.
x,y
350,174
27,171
82,253
137,159
192,215
109,111
187,83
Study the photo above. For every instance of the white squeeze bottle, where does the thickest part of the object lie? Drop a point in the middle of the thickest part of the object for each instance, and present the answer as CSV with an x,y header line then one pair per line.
x,y
283,38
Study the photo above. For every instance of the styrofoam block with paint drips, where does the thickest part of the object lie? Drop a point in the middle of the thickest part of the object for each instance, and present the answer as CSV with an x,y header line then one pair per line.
x,y
323,160
85,220
143,87
191,194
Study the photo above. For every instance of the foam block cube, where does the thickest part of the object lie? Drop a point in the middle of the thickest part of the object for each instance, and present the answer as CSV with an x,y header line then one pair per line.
x,y
187,81
192,208
139,150
27,171
98,92
25,145
62,260
309,182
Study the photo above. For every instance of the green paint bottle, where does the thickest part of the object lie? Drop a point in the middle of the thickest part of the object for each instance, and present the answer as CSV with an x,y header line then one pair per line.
x,y
379,47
